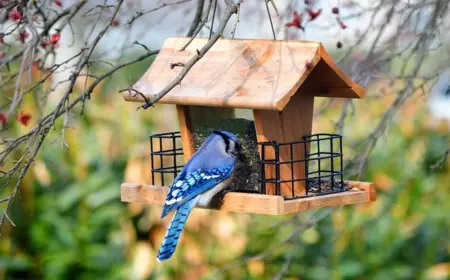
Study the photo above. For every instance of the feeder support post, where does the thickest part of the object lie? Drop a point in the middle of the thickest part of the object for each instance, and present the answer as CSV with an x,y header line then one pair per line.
x,y
289,125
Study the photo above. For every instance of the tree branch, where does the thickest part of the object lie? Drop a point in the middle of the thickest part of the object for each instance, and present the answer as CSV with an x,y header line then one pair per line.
x,y
197,17
231,9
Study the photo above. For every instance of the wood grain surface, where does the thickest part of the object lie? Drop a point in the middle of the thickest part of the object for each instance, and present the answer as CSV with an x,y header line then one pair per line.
x,y
244,73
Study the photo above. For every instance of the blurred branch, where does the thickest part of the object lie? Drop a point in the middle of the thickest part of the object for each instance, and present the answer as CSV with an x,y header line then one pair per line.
x,y
47,119
197,17
441,161
287,262
36,136
421,46
199,27
339,127
142,13
24,169
231,9
301,227
48,25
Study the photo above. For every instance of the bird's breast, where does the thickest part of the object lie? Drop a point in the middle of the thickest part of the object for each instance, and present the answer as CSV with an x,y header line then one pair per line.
x,y
206,197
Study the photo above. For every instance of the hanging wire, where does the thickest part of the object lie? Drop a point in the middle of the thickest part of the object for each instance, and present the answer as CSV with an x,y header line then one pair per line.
x,y
214,16
270,19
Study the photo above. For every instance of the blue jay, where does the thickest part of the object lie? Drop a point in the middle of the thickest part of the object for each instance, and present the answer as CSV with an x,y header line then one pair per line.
x,y
207,173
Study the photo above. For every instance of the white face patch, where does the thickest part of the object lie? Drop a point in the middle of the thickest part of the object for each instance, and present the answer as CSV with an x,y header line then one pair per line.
x,y
221,146
231,147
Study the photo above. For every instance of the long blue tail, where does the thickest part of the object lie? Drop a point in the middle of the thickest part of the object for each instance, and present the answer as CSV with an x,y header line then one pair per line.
x,y
173,233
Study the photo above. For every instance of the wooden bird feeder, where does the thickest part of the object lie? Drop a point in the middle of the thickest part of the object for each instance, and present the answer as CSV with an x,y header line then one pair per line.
x,y
278,80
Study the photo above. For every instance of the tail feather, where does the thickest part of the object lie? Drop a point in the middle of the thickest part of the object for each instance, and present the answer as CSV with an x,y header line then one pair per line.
x,y
174,231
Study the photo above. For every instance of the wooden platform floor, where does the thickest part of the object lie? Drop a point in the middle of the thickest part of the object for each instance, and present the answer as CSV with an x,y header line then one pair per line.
x,y
360,192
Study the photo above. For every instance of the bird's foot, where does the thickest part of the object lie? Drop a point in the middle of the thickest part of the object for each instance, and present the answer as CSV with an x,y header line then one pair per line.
x,y
218,199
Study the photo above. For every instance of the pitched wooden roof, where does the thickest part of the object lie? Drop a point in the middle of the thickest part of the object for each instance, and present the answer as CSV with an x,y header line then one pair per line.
x,y
242,73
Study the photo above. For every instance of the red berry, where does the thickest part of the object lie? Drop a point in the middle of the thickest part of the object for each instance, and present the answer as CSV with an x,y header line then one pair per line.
x,y
341,24
23,36
58,3
335,10
15,15
24,118
312,14
3,118
54,39
115,23
296,20
44,43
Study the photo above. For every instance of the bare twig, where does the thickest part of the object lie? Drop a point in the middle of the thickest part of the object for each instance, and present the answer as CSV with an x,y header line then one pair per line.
x,y
233,33
140,14
177,64
213,18
301,227
231,9
70,12
197,18
199,27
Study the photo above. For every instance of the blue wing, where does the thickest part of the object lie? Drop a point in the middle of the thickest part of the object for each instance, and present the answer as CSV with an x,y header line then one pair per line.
x,y
189,185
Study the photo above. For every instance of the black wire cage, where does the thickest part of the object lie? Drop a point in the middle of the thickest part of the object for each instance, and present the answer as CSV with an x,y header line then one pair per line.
x,y
322,163
166,152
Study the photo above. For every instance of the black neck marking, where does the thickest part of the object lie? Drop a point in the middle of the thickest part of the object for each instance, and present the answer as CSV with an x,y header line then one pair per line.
x,y
225,139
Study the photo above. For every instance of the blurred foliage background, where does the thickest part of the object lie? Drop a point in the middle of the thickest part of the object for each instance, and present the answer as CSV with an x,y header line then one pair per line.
x,y
70,223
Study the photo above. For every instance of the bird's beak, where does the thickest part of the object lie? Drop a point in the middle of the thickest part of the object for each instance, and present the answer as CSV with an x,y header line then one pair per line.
x,y
240,154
